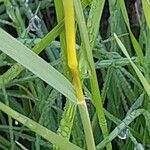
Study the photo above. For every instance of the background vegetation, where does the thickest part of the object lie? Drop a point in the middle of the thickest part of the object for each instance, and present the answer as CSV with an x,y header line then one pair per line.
x,y
39,107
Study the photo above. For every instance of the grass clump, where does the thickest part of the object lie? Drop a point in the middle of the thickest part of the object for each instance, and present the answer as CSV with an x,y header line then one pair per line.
x,y
74,75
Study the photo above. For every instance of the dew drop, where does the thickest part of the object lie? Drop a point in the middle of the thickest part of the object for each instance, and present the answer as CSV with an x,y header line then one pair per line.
x,y
25,1
139,146
35,23
16,122
123,134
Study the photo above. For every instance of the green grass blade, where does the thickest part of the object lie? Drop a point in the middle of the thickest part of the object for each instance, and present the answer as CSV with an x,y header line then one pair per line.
x,y
135,43
87,40
35,64
94,20
16,69
49,38
126,121
42,131
68,115
138,72
146,9
87,126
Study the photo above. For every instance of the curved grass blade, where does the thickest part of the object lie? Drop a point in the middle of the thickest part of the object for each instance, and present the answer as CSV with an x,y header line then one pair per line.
x,y
35,64
138,72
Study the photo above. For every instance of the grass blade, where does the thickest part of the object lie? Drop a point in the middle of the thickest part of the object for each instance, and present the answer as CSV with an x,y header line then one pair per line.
x,y
146,9
35,64
42,131
138,72
126,121
88,53
135,43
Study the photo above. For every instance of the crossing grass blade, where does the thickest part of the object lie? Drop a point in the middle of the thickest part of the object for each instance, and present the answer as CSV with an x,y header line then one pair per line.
x,y
126,121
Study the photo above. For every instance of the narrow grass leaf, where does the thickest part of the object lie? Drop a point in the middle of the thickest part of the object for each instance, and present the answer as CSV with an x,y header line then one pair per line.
x,y
125,86
70,108
17,68
35,64
125,122
96,6
135,43
137,104
21,146
138,72
49,38
94,20
146,9
39,129
147,118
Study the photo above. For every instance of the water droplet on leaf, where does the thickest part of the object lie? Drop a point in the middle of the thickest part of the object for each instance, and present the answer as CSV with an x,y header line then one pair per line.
x,y
123,134
35,23
25,1
16,122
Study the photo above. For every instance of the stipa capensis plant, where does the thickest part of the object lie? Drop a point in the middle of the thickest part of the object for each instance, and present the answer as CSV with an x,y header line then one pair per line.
x,y
44,97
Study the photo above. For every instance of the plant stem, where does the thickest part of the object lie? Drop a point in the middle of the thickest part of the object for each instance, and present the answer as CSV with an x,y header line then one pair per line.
x,y
73,64
89,57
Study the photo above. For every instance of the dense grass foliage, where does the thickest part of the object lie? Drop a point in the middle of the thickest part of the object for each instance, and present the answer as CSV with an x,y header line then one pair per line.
x,y
74,74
